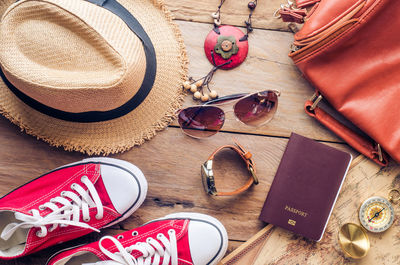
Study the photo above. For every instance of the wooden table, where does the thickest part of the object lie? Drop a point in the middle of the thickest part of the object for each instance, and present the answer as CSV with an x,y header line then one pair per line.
x,y
171,161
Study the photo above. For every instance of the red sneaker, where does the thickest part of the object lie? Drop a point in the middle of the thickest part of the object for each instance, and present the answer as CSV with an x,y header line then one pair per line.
x,y
182,238
69,202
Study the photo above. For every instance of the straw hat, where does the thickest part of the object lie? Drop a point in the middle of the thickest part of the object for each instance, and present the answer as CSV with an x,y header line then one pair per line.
x,y
95,76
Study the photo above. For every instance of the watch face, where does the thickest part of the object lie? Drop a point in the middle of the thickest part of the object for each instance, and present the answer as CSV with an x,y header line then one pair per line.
x,y
204,177
208,180
376,214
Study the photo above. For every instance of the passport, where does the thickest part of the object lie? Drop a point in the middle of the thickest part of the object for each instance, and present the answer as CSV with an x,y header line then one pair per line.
x,y
306,186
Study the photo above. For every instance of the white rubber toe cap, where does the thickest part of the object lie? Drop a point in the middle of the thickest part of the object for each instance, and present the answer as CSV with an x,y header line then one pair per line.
x,y
125,184
207,241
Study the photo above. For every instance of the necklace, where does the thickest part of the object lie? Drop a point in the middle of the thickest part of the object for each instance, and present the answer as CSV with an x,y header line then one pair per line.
x,y
226,47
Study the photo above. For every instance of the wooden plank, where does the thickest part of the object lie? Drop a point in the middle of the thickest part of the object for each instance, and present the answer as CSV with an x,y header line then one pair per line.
x,y
171,163
267,67
233,12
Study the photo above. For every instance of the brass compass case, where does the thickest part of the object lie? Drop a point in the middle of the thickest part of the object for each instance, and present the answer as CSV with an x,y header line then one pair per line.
x,y
354,240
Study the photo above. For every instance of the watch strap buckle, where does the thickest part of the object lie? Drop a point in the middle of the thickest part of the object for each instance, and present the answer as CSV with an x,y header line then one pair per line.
x,y
208,174
253,174
247,156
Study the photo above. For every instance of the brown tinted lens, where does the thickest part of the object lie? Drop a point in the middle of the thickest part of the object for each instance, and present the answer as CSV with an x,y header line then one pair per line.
x,y
257,109
202,121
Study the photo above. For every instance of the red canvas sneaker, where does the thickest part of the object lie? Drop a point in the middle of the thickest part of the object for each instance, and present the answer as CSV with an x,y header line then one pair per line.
x,y
181,238
69,202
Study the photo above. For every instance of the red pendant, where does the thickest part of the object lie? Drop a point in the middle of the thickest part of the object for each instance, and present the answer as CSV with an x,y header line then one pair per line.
x,y
227,44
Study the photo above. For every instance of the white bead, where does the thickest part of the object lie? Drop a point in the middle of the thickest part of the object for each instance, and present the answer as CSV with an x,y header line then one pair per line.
x,y
213,94
217,22
199,83
186,85
214,15
193,88
204,98
197,95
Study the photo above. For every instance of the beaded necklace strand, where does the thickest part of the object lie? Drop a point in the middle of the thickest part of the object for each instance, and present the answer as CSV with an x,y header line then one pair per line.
x,y
226,47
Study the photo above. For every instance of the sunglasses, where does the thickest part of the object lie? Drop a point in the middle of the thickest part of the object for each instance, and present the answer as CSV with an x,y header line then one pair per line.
x,y
251,109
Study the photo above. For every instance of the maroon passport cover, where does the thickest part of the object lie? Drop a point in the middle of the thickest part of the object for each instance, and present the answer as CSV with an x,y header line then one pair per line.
x,y
305,187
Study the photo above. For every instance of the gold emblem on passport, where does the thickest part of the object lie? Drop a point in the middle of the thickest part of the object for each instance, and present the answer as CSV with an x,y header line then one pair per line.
x,y
291,222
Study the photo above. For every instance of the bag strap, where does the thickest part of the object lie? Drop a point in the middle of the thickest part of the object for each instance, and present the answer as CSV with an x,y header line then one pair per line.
x,y
306,3
360,143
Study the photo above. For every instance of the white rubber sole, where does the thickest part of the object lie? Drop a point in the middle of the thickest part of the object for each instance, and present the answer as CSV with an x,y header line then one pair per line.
x,y
134,170
207,218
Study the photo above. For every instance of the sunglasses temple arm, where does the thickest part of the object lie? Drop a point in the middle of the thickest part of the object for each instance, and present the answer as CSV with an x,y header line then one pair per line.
x,y
226,98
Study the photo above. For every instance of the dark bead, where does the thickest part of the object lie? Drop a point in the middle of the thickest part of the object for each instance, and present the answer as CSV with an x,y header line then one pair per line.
x,y
252,5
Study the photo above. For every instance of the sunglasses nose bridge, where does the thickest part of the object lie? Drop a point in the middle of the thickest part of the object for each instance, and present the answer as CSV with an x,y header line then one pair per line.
x,y
229,114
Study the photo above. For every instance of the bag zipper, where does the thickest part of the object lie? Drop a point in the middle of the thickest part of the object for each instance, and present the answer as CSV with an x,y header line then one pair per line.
x,y
299,52
303,47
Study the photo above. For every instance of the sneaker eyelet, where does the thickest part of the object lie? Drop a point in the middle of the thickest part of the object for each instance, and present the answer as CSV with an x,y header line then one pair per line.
x,y
98,217
62,194
30,211
42,207
128,250
171,231
86,219
38,234
73,185
120,237
160,236
148,239
135,233
83,178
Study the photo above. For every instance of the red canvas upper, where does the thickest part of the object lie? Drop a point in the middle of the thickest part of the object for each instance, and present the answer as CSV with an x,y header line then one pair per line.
x,y
41,190
130,238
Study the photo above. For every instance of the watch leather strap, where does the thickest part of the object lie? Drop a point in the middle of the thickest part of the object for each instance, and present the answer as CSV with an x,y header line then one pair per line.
x,y
247,158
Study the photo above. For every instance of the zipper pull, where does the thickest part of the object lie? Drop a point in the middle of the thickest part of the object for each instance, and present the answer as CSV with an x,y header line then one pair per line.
x,y
290,13
293,15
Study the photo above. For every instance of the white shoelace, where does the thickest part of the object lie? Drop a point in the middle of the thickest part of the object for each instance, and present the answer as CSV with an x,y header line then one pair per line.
x,y
67,214
151,249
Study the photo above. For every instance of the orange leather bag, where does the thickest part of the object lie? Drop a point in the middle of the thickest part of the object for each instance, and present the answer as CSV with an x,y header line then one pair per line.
x,y
349,50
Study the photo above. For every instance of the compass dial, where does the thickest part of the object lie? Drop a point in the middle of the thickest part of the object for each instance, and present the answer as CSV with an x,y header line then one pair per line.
x,y
376,214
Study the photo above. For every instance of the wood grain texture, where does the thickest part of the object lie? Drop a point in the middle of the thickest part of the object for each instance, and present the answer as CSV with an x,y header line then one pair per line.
x,y
233,12
267,67
171,163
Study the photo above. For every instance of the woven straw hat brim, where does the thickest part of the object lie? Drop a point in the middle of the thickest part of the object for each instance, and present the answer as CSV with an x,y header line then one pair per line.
x,y
120,134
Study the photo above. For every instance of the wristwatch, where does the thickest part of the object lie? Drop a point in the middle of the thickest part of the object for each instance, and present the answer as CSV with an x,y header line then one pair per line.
x,y
208,174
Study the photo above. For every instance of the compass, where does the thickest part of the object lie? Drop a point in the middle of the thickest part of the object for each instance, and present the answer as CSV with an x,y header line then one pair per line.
x,y
376,214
